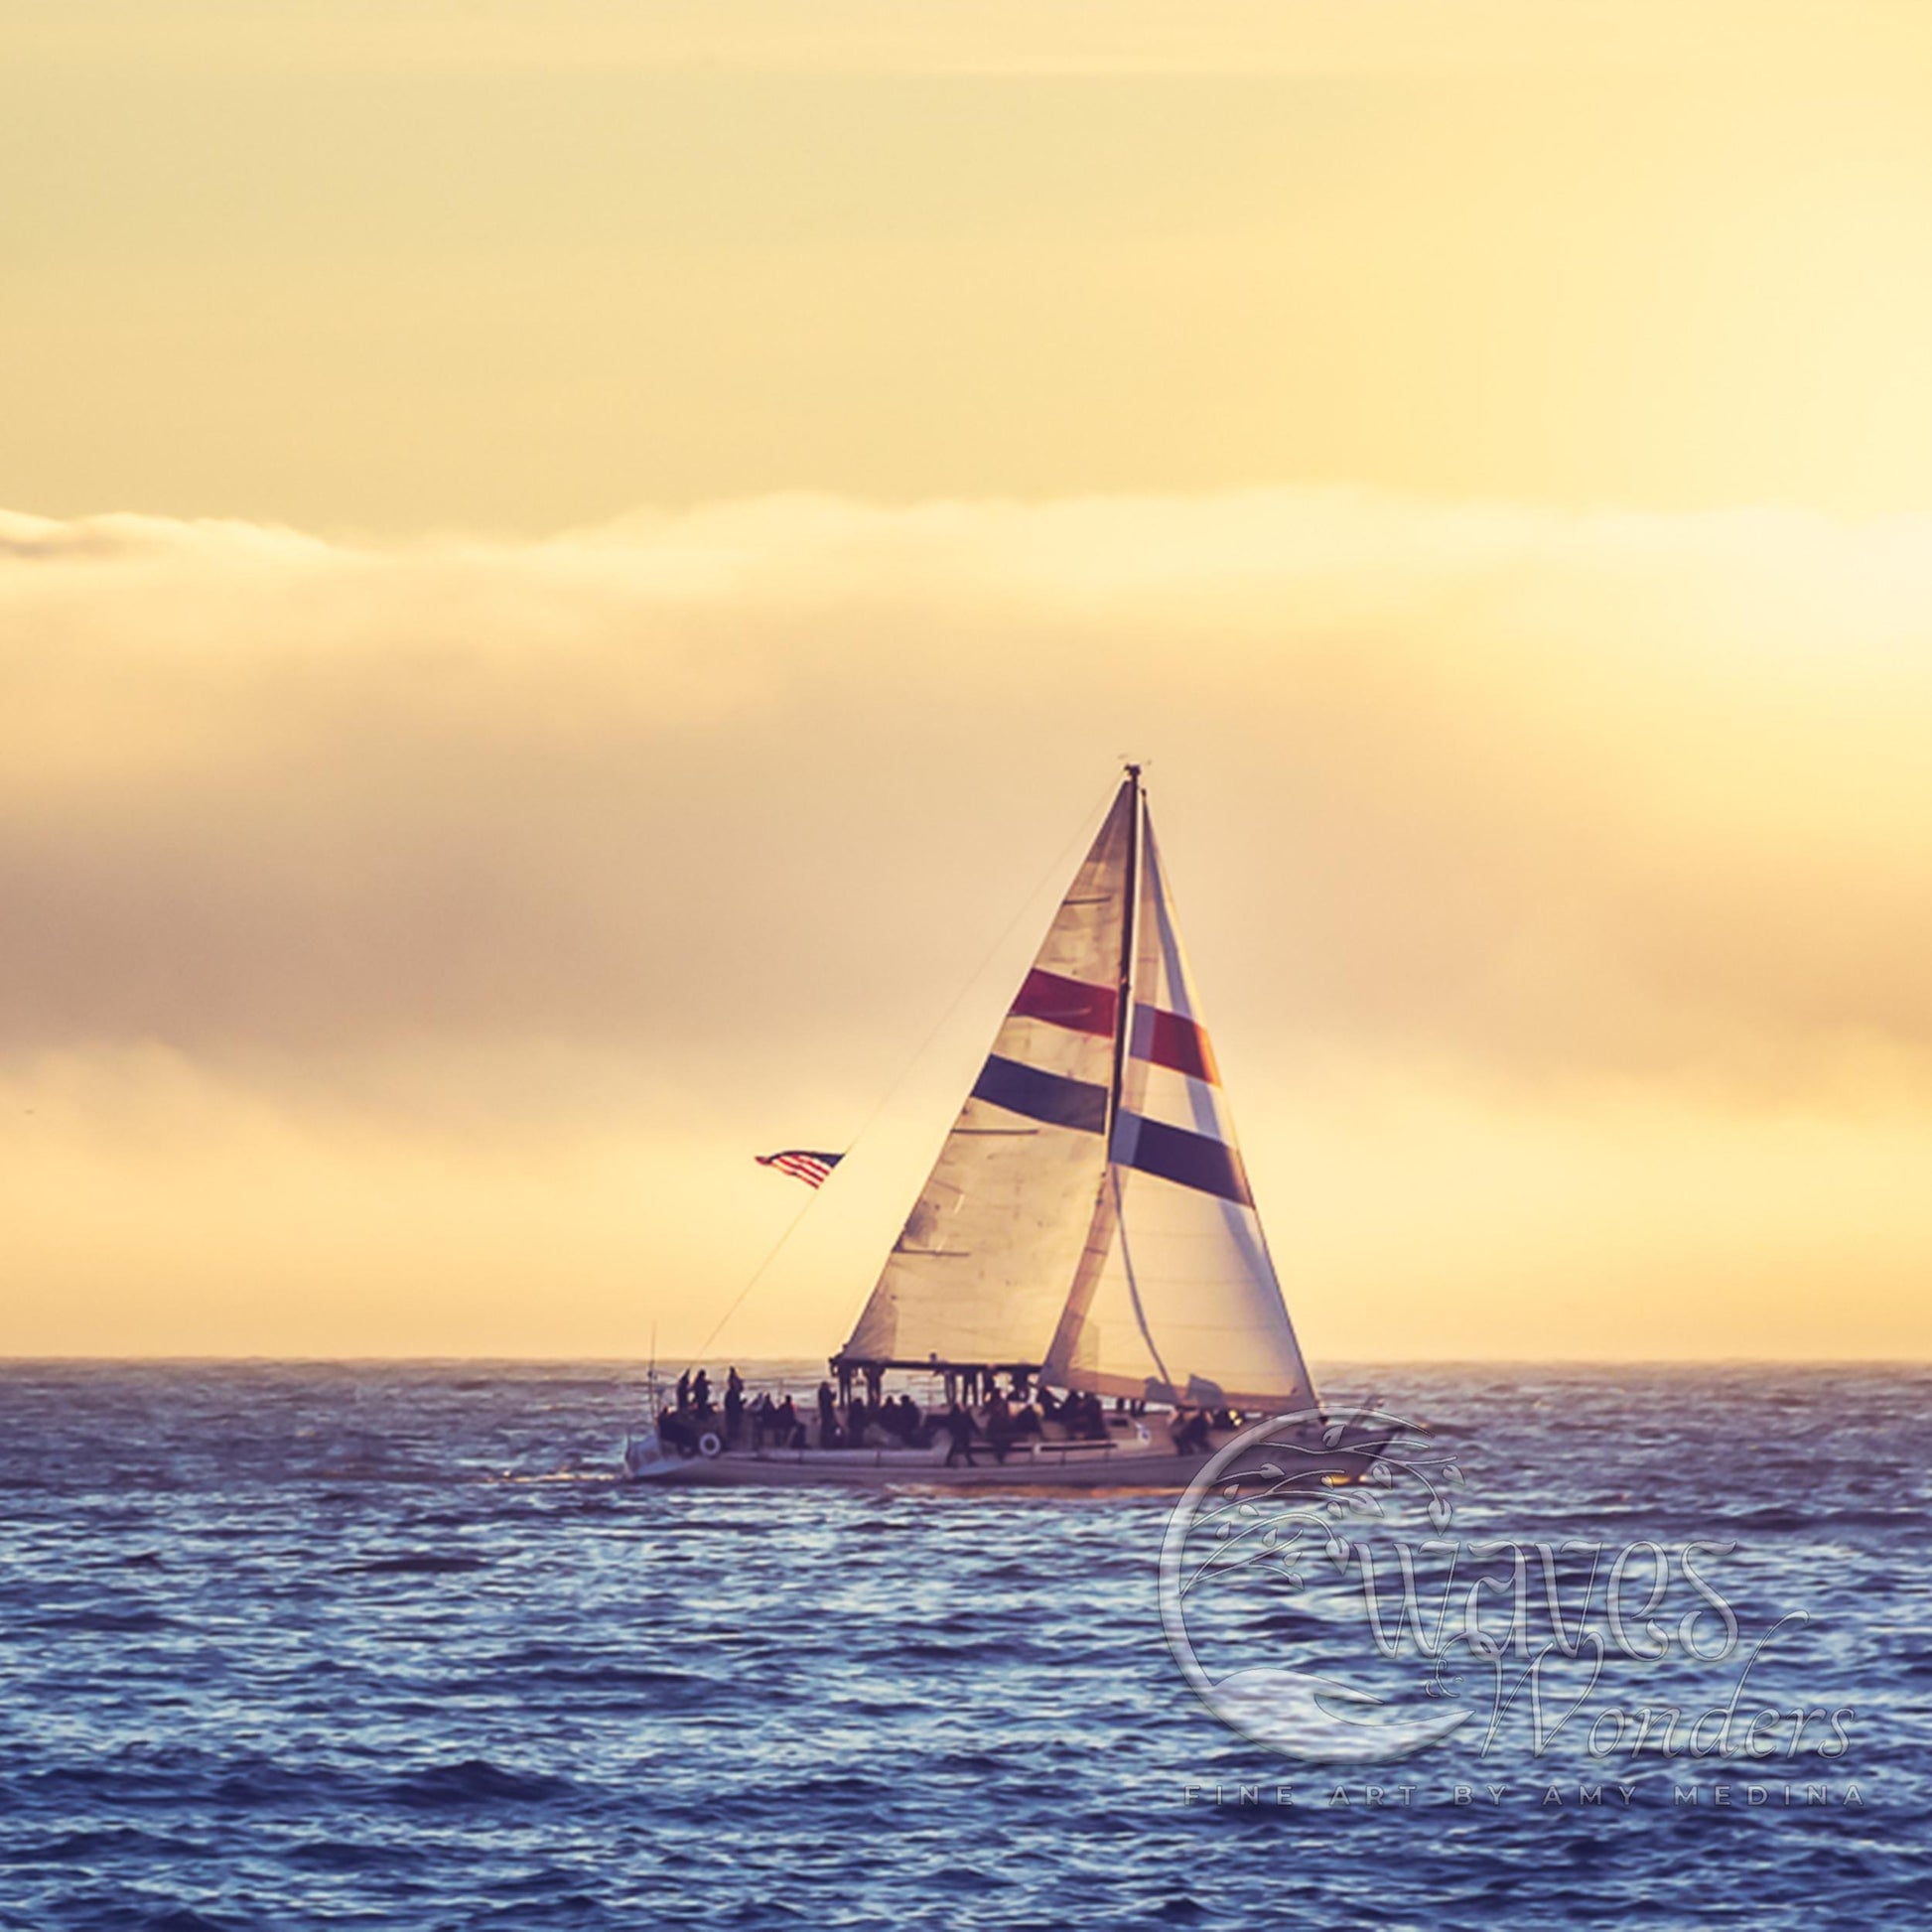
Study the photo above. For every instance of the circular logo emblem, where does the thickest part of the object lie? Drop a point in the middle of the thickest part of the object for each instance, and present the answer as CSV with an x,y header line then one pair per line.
x,y
1268,1587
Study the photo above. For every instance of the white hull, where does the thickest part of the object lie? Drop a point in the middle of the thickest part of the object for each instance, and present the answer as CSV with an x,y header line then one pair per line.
x,y
904,1468
1049,1467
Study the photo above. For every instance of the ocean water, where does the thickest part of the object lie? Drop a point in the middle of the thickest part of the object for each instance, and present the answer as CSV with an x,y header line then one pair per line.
x,y
299,1646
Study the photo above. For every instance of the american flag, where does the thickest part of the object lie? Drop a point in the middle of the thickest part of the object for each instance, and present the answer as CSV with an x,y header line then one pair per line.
x,y
811,1169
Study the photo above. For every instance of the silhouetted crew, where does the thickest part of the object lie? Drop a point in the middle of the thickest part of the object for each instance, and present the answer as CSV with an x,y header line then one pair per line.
x,y
828,1417
959,1424
999,1425
791,1432
1190,1437
684,1392
733,1407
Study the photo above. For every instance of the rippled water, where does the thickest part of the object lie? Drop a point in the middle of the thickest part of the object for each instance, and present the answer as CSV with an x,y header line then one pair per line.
x,y
295,1646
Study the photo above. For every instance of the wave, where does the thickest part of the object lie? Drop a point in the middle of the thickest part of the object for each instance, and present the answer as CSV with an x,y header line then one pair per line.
x,y
422,1562
475,1781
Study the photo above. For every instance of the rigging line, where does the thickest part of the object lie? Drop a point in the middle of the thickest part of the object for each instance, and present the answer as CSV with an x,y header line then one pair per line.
x,y
1085,830
1134,1286
771,1255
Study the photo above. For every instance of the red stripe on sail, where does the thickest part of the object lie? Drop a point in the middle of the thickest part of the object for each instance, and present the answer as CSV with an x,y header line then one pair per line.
x,y
1077,1005
1173,1040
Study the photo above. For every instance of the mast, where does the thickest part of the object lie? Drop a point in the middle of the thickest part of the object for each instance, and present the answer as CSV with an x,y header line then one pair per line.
x,y
1128,940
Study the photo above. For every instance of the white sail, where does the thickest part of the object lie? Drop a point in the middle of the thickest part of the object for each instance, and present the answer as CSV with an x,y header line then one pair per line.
x,y
1177,1295
982,1268
1089,1210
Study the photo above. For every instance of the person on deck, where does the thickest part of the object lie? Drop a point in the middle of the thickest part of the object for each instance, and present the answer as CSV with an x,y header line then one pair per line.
x,y
790,1431
958,1423
733,1407
1190,1437
828,1417
684,1392
999,1425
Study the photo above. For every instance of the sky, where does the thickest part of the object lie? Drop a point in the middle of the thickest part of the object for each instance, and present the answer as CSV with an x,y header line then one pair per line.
x,y
573,579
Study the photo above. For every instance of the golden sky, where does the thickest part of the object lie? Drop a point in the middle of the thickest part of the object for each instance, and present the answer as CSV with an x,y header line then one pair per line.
x,y
566,571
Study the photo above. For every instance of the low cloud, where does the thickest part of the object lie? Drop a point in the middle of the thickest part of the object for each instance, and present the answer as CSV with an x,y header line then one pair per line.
x,y
404,949
1543,797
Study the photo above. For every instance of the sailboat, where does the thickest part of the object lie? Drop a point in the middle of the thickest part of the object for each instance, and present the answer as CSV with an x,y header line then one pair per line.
x,y
1087,1229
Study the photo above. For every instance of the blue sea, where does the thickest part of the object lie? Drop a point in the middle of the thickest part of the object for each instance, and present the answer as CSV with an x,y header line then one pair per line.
x,y
378,1646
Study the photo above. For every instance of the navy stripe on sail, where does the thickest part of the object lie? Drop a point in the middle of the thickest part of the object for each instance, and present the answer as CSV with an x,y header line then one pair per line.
x,y
1175,1154
1050,1097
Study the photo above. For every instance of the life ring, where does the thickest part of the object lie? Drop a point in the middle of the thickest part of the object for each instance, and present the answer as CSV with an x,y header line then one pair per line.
x,y
1141,1434
709,1443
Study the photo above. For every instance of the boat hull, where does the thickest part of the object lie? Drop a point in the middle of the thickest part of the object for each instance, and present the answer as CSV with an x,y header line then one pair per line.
x,y
888,1472
1050,1467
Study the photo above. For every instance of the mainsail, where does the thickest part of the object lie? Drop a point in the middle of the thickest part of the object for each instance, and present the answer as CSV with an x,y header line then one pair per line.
x,y
981,1269
1089,1214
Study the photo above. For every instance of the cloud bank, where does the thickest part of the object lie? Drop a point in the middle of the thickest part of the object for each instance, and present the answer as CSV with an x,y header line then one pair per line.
x,y
607,848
